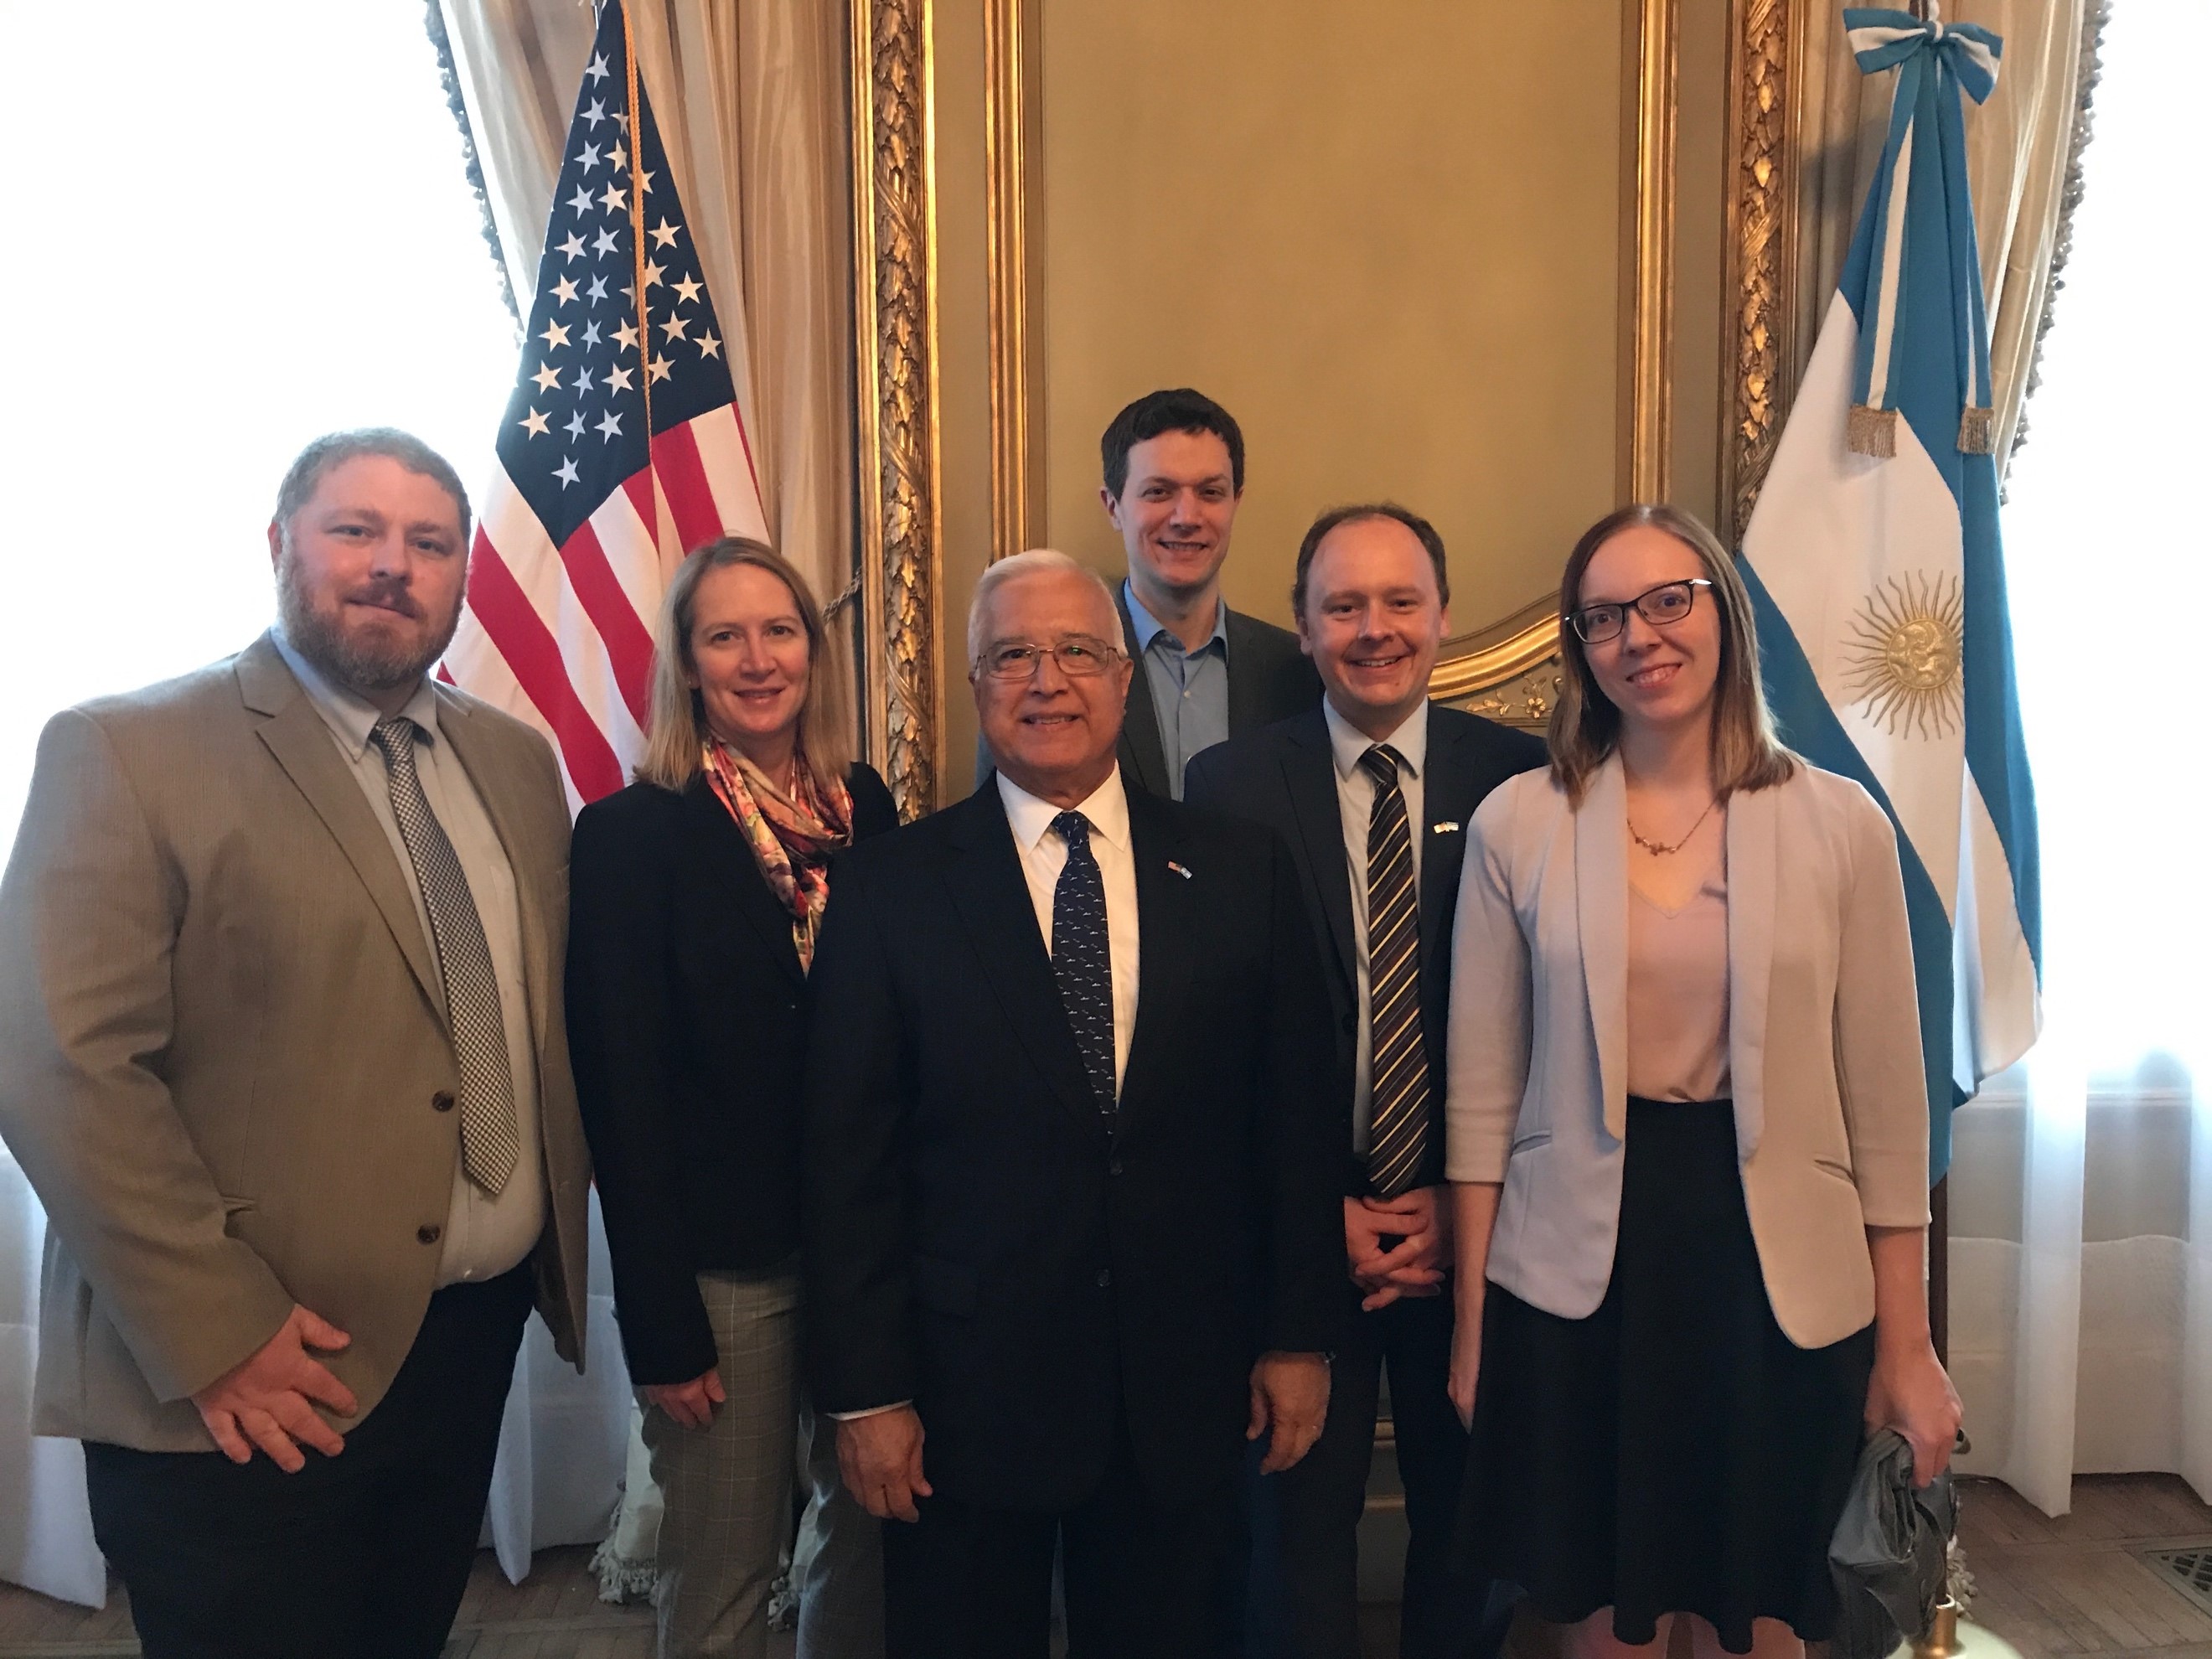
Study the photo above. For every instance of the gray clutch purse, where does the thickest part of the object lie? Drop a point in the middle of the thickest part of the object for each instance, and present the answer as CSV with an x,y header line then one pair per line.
x,y
1888,1554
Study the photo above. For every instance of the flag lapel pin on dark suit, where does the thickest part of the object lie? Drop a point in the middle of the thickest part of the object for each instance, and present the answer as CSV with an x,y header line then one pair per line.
x,y
1178,869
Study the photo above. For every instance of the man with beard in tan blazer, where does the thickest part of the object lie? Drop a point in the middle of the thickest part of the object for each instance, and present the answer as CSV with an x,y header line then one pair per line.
x,y
281,1014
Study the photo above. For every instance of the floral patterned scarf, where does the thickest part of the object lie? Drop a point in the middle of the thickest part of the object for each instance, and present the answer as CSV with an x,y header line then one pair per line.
x,y
792,836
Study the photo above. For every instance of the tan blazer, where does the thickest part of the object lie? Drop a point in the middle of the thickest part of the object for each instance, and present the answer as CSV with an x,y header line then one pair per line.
x,y
1824,1039
222,1037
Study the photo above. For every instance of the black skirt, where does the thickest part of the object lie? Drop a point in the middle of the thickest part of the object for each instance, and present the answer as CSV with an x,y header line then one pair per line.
x,y
1673,1452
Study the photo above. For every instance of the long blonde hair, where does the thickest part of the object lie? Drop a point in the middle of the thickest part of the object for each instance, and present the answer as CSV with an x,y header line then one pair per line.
x,y
1585,727
676,731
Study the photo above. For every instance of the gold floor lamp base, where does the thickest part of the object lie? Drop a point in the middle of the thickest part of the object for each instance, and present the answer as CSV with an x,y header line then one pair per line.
x,y
1953,1638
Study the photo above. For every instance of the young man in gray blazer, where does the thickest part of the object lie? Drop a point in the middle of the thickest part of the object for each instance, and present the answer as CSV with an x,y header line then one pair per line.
x,y
280,993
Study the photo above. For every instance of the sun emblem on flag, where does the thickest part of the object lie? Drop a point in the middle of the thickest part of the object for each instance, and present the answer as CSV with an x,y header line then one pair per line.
x,y
1906,653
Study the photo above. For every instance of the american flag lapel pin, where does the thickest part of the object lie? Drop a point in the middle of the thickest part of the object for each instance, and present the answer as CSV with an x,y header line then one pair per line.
x,y
1178,869
1446,828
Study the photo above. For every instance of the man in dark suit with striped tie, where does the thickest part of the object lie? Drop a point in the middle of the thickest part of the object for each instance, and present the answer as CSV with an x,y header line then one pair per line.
x,y
1072,1155
1372,791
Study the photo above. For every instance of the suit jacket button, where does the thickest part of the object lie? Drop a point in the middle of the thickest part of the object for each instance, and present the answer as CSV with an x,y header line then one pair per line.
x,y
1114,1168
428,1234
442,1100
1105,1277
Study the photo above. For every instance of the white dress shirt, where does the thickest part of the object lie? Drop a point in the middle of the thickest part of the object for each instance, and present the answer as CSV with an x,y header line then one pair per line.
x,y
1355,799
485,1234
1044,854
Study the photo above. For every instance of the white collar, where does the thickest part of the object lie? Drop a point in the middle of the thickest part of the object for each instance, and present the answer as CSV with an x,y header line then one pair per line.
x,y
1106,807
1347,743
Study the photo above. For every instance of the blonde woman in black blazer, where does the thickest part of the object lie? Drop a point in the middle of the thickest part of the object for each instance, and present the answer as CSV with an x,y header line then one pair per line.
x,y
695,895
1687,1133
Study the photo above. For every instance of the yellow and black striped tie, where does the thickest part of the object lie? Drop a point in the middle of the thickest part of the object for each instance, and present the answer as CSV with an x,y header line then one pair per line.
x,y
1398,1117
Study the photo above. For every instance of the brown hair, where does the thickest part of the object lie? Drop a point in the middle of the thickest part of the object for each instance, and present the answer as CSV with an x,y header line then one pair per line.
x,y
335,449
1585,727
1423,531
1181,409
676,731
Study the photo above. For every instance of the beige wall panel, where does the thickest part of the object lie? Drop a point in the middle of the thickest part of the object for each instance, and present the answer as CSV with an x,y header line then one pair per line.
x,y
1388,237
962,367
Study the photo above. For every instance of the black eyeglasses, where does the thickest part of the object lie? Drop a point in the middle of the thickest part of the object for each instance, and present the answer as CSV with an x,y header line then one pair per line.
x,y
1078,655
1662,607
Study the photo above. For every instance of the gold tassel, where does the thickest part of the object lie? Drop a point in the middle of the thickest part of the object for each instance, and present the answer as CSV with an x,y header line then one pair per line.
x,y
1871,432
1977,432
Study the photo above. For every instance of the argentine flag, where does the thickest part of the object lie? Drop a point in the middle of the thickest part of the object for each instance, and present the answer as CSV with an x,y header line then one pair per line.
x,y
1876,568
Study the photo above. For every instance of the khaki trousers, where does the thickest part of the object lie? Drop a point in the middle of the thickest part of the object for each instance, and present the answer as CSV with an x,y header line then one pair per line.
x,y
728,1488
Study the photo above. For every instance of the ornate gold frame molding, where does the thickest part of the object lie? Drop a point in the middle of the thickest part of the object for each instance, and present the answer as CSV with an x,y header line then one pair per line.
x,y
1007,117
895,342
1765,78
1650,352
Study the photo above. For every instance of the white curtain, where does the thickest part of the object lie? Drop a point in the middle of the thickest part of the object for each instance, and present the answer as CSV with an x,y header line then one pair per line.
x,y
2082,1182
564,1441
45,1530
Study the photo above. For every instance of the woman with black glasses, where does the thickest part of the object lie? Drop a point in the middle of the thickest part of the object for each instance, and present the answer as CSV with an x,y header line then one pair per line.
x,y
1687,1134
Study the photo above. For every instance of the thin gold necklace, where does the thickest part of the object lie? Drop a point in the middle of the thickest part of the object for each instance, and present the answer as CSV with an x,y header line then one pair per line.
x,y
1655,849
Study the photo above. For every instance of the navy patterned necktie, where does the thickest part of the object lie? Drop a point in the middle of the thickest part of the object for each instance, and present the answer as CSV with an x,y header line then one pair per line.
x,y
491,1143
1082,956
1398,1096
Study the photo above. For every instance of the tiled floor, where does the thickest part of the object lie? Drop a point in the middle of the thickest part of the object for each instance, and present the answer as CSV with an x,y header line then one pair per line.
x,y
2076,1588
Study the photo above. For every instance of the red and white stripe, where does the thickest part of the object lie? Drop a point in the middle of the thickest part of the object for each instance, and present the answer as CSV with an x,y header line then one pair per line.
x,y
563,637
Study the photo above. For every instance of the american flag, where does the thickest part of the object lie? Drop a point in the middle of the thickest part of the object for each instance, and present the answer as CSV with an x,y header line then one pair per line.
x,y
582,524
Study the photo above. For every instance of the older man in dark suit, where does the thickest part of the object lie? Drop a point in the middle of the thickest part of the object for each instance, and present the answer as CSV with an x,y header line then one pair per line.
x,y
1072,1150
1371,788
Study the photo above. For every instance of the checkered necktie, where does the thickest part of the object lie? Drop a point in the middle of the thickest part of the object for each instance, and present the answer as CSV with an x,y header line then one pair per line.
x,y
490,1142
1398,1116
1082,956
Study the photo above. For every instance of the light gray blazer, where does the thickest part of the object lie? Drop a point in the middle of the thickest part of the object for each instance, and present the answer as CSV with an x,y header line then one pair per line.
x,y
1824,1039
223,1052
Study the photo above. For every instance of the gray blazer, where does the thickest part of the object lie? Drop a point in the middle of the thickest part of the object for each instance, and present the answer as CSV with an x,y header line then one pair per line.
x,y
1824,1039
223,1041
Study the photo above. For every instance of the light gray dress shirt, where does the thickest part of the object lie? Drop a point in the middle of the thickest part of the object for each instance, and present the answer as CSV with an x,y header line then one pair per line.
x,y
1355,799
1190,689
485,1234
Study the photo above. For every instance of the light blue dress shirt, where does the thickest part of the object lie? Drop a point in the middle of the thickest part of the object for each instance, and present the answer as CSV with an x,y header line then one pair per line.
x,y
485,1233
1190,689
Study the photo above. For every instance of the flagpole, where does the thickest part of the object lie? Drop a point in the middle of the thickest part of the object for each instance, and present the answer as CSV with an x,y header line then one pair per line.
x,y
637,262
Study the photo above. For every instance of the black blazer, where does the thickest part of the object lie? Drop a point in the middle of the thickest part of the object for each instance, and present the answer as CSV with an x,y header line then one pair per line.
x,y
1284,776
686,1029
979,1242
1269,679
